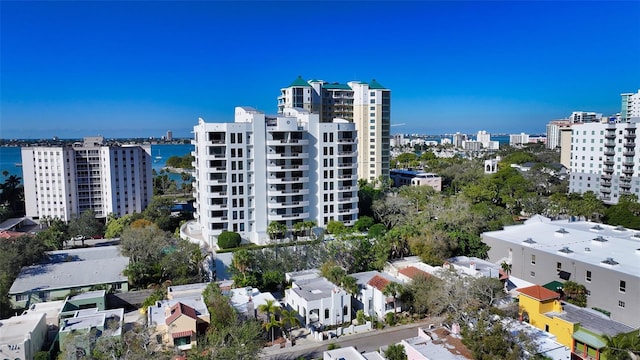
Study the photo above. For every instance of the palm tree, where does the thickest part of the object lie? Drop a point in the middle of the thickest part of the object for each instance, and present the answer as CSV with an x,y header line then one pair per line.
x,y
269,307
622,346
289,320
393,289
395,352
242,261
270,325
275,230
506,267
350,285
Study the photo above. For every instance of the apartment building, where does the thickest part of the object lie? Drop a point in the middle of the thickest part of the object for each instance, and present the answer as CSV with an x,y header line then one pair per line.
x,y
65,181
630,106
553,132
264,168
605,160
584,116
603,258
484,138
518,139
415,178
367,105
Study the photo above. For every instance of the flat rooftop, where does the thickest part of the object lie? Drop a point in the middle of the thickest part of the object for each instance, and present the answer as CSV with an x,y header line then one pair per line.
x,y
156,314
314,289
14,329
607,246
89,318
592,320
73,268
441,346
88,295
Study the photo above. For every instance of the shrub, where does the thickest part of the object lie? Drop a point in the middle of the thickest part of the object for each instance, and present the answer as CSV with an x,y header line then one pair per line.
x,y
361,317
228,239
390,318
333,346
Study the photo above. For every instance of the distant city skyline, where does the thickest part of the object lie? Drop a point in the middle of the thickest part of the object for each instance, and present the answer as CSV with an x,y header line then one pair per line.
x,y
139,69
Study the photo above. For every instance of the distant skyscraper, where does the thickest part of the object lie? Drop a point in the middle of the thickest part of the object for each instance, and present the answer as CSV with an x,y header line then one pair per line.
x,y
553,132
518,139
630,106
605,160
169,135
65,181
484,138
367,105
458,139
284,168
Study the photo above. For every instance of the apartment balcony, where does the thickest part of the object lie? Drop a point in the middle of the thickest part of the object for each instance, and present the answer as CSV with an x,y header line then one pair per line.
x,y
276,217
627,171
625,185
610,136
347,141
347,165
287,204
605,183
629,144
353,154
218,193
287,180
609,152
630,136
280,142
608,162
219,218
605,190
288,192
276,168
216,182
347,211
629,153
625,179
347,188
610,144
216,207
218,169
345,200
217,142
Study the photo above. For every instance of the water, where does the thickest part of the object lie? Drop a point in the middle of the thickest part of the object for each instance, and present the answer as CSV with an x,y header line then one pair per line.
x,y
10,157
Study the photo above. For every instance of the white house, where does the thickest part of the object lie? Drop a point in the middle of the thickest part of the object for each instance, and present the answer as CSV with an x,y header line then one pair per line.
x,y
371,298
22,336
317,300
247,300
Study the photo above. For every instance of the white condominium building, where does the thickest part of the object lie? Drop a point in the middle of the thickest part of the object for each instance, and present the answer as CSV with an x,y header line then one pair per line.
x,y
630,106
282,168
585,116
553,132
518,139
63,182
367,105
605,160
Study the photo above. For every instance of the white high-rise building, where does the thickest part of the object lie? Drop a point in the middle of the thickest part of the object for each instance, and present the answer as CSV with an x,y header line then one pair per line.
x,y
284,168
63,182
458,139
518,139
553,132
367,105
585,116
484,138
630,106
605,160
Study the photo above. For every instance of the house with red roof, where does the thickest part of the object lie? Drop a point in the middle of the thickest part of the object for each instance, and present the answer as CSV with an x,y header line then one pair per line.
x,y
179,321
375,297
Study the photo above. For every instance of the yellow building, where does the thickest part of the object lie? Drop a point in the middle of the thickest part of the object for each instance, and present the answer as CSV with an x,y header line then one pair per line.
x,y
582,330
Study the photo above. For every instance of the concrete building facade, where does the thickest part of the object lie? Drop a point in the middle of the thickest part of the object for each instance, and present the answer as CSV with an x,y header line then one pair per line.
x,y
630,106
553,132
605,160
63,182
367,105
603,258
415,178
285,168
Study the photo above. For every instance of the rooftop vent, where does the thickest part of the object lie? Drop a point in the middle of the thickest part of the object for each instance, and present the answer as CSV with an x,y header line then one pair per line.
x,y
529,241
620,228
636,236
565,250
610,261
587,249
597,228
562,231
600,239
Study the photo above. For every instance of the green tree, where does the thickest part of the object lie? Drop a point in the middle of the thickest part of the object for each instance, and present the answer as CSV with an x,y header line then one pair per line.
x,y
363,223
395,352
276,230
270,307
575,293
243,261
228,240
622,346
394,290
289,320
86,225
350,285
336,227
159,212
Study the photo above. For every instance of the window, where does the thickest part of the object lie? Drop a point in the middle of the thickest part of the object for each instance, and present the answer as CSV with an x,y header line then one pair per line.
x,y
533,274
559,266
345,310
623,286
621,304
21,297
588,276
533,259
326,313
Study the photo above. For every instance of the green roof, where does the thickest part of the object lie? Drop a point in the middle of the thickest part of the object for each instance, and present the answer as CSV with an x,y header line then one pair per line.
x,y
376,85
336,86
553,286
588,338
299,82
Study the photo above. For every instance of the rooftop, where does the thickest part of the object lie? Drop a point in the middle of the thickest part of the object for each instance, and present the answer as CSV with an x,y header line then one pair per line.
x,y
412,272
84,320
156,314
539,293
438,344
313,289
299,82
376,85
240,299
14,329
592,320
374,278
73,268
611,247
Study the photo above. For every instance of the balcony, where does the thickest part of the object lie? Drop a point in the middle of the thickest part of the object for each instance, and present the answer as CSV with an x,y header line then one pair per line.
x,y
217,142
610,136
629,153
288,192
627,171
605,183
218,169
608,169
605,197
610,144
625,185
347,211
347,165
216,206
216,182
287,180
275,217
630,136
346,141
605,190
609,152
287,204
345,200
274,168
629,144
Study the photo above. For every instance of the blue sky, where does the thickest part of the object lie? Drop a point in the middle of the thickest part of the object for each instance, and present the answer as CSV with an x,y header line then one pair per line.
x,y
140,68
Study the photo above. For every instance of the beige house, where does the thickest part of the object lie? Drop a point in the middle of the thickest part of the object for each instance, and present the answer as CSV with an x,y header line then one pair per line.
x,y
179,321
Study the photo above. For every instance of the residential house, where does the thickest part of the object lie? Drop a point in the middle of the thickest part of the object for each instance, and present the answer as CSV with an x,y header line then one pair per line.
x,y
89,321
178,322
21,337
350,353
435,344
372,298
318,301
247,300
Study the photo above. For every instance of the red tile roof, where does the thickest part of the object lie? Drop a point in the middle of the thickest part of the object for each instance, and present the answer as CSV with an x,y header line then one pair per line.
x,y
180,309
539,293
7,234
183,334
378,282
412,272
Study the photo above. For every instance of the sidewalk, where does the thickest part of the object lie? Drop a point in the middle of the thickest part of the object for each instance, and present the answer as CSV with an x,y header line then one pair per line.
x,y
305,341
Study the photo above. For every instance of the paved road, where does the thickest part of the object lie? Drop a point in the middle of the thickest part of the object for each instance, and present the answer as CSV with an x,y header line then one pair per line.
x,y
366,342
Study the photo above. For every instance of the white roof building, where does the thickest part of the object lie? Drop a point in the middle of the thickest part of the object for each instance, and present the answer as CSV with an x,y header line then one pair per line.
x,y
21,337
247,300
